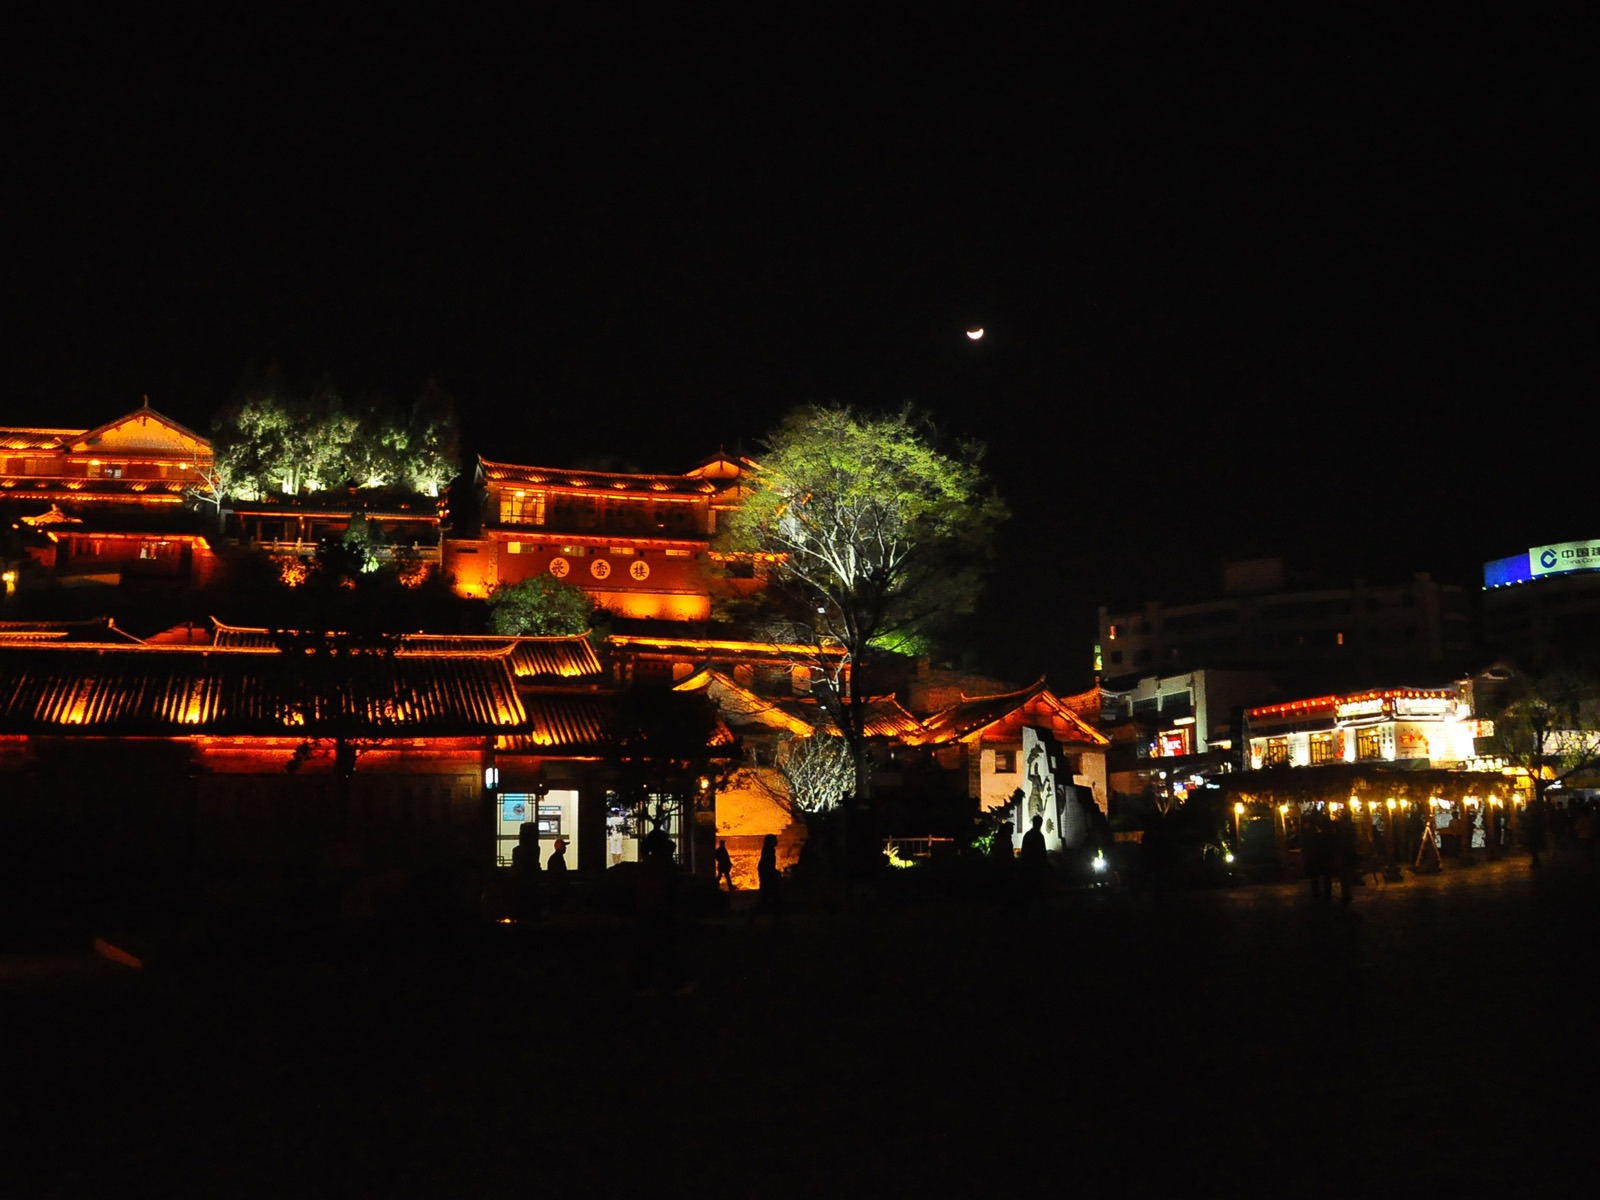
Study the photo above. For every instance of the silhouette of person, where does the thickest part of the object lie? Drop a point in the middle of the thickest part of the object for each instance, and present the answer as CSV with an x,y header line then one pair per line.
x,y
1343,857
724,865
525,874
1318,857
1032,862
1001,849
771,882
556,872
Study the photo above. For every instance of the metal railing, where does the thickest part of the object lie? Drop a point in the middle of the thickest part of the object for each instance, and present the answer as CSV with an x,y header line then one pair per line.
x,y
305,549
913,848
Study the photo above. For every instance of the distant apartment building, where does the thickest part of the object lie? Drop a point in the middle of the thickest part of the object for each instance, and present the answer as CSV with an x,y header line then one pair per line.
x,y
1338,634
1167,729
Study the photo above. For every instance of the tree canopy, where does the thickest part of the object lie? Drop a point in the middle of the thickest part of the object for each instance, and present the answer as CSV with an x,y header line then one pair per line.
x,y
278,436
542,606
1549,725
875,534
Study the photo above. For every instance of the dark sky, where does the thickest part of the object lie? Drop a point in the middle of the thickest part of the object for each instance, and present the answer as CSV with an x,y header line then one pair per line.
x,y
1311,287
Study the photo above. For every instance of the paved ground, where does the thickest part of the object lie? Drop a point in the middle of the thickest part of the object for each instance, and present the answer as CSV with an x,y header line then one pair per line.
x,y
1437,1037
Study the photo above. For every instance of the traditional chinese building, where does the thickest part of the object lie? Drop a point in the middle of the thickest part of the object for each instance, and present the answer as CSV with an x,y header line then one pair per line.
x,y
639,544
754,801
984,748
104,503
1400,762
405,527
1430,726
154,768
1026,739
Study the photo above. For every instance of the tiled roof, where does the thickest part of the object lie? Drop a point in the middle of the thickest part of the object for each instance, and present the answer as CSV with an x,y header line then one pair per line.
x,y
100,630
142,416
530,658
74,489
885,718
598,482
25,438
975,713
742,708
175,691
607,723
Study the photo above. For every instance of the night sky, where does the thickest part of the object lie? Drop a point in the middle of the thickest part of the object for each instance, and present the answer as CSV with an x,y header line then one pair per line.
x,y
1312,287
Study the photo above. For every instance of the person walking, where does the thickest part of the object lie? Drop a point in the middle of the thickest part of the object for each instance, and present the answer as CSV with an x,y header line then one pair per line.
x,y
1033,865
770,881
724,865
525,899
1318,856
555,870
1343,857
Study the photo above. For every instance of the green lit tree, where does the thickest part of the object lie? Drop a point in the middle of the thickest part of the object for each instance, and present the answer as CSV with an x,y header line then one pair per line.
x,y
276,436
542,606
876,536
430,451
374,457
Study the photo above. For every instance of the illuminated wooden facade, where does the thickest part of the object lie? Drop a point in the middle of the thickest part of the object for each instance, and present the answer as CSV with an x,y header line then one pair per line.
x,y
1421,726
978,744
639,544
982,738
134,765
752,800
109,501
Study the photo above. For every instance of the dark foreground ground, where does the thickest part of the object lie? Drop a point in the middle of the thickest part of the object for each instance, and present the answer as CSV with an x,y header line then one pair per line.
x,y
1437,1039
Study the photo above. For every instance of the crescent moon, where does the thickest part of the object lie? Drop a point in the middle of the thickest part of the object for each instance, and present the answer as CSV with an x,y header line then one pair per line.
x,y
974,334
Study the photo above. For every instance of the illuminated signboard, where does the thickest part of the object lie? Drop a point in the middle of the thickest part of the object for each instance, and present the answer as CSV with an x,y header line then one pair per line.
x,y
1564,557
1371,706
1171,743
1422,706
1559,558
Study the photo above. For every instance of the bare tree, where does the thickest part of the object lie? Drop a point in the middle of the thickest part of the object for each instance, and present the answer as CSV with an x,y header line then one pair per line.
x,y
817,772
212,483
